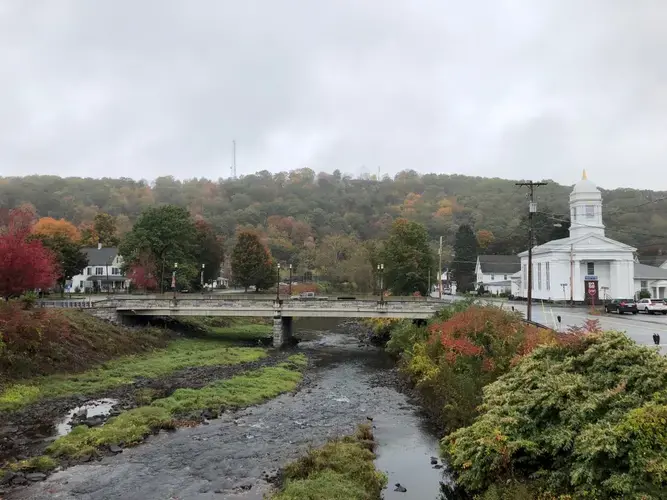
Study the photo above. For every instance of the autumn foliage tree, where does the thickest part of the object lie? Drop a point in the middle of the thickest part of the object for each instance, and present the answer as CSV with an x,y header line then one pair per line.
x,y
50,227
25,264
144,273
105,229
252,264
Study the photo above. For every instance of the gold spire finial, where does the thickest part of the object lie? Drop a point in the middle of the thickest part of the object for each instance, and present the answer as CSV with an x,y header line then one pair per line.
x,y
584,177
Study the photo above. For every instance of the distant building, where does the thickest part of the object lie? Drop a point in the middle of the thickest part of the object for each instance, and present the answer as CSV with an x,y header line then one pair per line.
x,y
103,273
494,272
587,266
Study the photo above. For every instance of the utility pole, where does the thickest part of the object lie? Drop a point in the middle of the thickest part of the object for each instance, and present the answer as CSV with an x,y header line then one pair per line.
x,y
532,208
440,271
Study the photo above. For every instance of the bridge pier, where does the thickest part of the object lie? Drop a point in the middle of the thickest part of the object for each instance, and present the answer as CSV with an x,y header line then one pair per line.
x,y
282,330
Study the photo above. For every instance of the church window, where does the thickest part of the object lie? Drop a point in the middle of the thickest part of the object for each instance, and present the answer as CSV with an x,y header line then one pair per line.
x,y
539,276
590,271
643,285
548,277
523,278
590,211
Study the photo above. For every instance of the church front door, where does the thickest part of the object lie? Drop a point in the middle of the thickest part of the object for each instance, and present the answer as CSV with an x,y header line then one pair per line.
x,y
591,291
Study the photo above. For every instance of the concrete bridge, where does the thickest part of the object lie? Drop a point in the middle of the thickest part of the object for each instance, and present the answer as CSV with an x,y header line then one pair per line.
x,y
282,311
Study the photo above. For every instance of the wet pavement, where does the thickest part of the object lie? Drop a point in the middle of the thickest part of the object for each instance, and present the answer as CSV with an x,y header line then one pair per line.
x,y
231,457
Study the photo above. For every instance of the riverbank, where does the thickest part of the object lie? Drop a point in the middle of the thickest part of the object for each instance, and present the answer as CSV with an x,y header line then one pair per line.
x,y
239,455
40,342
180,381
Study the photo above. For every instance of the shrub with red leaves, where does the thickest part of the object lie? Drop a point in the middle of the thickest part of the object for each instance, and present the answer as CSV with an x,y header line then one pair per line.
x,y
25,264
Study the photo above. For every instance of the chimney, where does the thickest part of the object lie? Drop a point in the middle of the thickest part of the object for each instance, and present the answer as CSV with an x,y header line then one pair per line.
x,y
99,246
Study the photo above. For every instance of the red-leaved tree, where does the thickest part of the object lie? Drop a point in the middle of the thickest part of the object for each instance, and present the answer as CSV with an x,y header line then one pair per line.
x,y
24,263
143,273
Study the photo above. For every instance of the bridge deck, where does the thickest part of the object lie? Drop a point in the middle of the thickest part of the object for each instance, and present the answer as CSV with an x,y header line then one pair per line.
x,y
271,308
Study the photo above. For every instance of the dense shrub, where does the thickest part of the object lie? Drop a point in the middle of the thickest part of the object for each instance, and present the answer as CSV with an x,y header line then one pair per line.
x,y
463,349
582,420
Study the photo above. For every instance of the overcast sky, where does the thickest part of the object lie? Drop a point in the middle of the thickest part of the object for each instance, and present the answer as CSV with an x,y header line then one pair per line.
x,y
508,88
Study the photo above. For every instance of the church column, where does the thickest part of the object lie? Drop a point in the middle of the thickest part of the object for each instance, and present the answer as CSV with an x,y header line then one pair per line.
x,y
577,282
614,279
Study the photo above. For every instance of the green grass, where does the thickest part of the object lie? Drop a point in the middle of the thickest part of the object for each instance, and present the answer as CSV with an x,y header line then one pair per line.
x,y
129,427
132,426
41,463
179,354
341,469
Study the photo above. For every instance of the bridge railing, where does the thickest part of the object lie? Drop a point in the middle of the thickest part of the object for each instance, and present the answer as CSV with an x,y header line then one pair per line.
x,y
66,304
269,298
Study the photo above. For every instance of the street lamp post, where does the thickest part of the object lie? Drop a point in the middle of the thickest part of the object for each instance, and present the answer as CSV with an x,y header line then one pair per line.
x,y
173,279
278,284
381,270
202,276
290,280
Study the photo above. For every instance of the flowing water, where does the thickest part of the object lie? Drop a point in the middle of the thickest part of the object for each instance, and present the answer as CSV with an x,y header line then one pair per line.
x,y
230,457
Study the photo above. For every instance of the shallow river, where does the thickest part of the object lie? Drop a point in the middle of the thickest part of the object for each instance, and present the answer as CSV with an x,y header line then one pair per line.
x,y
228,458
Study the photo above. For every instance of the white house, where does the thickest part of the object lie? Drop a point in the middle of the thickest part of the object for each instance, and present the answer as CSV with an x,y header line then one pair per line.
x,y
103,272
586,266
494,272
651,279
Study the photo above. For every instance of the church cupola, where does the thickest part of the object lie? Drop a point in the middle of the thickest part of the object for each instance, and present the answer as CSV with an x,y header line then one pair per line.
x,y
585,209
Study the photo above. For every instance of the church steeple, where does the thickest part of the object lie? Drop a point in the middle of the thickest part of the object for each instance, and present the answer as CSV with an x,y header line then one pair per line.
x,y
585,209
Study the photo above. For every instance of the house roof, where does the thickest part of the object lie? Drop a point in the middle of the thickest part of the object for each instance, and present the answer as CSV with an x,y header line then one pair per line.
x,y
563,244
644,272
499,264
100,256
655,260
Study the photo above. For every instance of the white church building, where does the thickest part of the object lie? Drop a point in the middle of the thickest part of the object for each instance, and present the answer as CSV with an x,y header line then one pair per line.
x,y
586,266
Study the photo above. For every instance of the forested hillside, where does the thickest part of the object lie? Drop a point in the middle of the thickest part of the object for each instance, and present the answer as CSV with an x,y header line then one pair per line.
x,y
297,209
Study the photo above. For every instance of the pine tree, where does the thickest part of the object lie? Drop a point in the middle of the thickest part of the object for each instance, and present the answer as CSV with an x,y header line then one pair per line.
x,y
465,257
408,258
252,264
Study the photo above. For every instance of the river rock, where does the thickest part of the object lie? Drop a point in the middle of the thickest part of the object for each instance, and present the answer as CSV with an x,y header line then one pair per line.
x,y
35,476
437,466
434,460
94,421
400,488
114,448
19,478
7,477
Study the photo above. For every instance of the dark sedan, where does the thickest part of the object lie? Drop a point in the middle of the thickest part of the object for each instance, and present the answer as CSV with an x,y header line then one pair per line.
x,y
622,306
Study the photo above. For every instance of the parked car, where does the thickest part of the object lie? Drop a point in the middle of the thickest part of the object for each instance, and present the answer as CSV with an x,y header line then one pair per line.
x,y
621,306
652,306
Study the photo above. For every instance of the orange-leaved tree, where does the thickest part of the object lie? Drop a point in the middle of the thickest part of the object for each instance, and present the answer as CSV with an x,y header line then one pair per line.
x,y
50,227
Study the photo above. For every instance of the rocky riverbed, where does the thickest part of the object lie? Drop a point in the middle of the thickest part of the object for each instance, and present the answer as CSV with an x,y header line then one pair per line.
x,y
239,455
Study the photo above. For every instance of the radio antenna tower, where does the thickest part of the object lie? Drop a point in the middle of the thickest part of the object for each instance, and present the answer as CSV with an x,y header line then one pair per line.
x,y
233,167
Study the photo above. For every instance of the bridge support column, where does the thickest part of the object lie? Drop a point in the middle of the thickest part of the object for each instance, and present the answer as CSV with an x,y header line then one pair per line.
x,y
282,330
